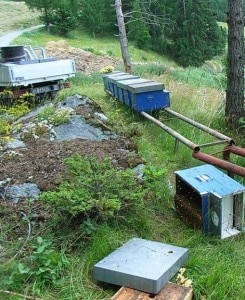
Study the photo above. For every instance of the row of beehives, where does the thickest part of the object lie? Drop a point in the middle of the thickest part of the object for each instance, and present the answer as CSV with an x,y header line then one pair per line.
x,y
137,93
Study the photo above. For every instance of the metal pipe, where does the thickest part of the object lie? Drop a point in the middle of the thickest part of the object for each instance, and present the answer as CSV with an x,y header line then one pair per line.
x,y
201,126
236,150
175,134
231,168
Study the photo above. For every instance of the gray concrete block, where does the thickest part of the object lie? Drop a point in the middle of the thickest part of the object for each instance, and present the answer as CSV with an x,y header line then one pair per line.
x,y
141,264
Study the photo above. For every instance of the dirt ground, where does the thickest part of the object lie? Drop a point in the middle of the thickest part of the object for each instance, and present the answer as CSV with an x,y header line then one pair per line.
x,y
86,62
42,161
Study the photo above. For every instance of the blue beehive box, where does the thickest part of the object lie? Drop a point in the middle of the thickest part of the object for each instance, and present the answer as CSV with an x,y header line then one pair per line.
x,y
115,89
124,87
207,198
145,95
109,75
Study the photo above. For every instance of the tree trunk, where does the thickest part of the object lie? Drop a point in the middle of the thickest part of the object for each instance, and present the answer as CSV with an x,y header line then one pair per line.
x,y
123,36
235,62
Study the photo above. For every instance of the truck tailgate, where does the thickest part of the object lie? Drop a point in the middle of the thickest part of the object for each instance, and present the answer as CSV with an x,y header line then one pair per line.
x,y
26,74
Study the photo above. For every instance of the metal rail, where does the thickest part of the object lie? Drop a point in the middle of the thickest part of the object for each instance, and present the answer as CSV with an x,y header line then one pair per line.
x,y
172,132
221,163
236,150
201,126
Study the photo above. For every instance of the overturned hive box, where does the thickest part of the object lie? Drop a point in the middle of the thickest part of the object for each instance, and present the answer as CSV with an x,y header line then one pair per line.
x,y
209,199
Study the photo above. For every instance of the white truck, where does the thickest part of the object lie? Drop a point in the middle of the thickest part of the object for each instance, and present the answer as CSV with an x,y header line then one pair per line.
x,y
28,69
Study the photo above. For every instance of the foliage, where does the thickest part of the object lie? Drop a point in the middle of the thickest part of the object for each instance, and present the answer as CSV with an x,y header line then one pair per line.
x,y
150,69
95,189
61,14
15,111
44,266
45,7
196,36
64,17
98,16
107,69
5,126
186,30
8,114
54,116
138,30
210,260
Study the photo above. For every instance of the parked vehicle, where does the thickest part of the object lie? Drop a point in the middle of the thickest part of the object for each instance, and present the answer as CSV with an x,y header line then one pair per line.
x,y
26,69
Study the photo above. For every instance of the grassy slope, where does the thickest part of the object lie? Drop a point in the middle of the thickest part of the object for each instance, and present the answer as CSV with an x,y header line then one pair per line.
x,y
15,15
216,267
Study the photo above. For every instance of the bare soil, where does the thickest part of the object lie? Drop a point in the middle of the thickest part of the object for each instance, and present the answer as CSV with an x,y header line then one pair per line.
x,y
86,62
42,161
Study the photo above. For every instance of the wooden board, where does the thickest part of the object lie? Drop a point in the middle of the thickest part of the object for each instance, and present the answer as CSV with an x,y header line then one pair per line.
x,y
171,291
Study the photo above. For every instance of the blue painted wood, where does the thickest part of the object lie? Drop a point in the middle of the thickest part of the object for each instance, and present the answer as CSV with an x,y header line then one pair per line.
x,y
220,198
138,93
208,179
106,77
115,88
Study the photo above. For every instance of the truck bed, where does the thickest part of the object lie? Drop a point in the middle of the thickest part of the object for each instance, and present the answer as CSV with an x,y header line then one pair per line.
x,y
44,70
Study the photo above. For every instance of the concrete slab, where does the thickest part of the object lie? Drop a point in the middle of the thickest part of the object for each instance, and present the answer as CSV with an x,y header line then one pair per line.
x,y
171,291
141,264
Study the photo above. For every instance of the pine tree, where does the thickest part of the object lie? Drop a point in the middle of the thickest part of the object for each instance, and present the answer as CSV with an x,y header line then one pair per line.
x,y
98,16
196,36
137,26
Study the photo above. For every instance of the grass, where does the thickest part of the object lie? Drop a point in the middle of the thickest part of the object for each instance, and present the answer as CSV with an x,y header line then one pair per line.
x,y
15,15
215,266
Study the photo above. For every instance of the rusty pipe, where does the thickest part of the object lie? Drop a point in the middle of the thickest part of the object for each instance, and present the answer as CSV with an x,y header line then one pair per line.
x,y
201,126
172,132
236,150
230,167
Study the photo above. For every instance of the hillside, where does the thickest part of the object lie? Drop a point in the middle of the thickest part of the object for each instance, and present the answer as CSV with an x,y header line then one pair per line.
x,y
15,15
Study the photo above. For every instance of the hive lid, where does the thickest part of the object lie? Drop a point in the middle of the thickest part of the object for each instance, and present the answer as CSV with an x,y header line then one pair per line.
x,y
145,87
114,74
125,83
115,79
208,179
141,264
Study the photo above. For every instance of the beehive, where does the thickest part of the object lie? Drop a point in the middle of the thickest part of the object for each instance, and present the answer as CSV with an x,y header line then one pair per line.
x,y
209,199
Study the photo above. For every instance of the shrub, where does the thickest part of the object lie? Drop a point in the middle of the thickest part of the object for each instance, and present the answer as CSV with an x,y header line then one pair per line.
x,y
95,189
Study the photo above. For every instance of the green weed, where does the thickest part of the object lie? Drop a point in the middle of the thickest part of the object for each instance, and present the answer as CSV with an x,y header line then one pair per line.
x,y
43,267
95,189
149,69
54,115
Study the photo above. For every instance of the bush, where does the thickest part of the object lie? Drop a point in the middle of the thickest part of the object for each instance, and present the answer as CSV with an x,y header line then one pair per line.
x,y
95,190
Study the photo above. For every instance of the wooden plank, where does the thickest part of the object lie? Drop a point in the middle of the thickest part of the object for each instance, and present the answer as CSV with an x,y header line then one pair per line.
x,y
171,291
